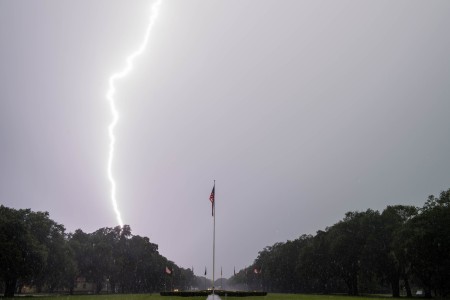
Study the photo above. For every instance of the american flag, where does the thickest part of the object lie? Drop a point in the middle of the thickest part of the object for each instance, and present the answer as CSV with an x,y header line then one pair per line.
x,y
211,198
168,271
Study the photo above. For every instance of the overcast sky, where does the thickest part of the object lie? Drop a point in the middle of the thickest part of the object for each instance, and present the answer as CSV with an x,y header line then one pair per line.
x,y
300,110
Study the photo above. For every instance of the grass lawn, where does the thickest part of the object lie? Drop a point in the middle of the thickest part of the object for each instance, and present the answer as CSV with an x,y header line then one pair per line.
x,y
158,297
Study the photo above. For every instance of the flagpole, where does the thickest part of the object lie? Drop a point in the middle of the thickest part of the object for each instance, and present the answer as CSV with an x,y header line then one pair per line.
x,y
214,237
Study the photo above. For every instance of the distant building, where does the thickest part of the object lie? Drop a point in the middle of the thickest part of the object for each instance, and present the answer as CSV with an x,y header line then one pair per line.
x,y
82,286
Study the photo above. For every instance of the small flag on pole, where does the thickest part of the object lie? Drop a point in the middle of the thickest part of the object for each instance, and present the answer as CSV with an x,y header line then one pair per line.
x,y
211,198
168,271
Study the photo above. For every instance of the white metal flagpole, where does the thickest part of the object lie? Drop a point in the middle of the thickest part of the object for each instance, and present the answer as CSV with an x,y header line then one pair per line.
x,y
214,235
212,198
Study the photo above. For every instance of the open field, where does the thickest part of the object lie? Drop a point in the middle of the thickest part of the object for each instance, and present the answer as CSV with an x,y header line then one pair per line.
x,y
158,297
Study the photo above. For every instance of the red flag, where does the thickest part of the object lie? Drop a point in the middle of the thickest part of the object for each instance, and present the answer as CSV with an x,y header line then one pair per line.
x,y
168,271
211,198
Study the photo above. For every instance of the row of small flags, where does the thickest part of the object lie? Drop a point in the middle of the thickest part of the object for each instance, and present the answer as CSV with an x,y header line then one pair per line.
x,y
169,271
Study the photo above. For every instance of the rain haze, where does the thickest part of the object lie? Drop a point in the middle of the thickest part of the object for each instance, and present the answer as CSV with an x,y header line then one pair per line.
x,y
300,110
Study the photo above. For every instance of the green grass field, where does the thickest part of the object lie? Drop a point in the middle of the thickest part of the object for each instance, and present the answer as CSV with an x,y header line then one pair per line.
x,y
158,297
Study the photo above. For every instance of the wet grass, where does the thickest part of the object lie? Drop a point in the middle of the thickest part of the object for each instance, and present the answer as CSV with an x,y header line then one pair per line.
x,y
158,297
306,297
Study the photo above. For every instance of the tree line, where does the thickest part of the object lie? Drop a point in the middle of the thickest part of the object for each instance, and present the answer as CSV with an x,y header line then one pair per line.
x,y
36,251
366,252
399,249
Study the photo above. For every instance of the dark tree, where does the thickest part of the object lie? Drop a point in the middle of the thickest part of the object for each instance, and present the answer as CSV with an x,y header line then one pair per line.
x,y
25,240
426,240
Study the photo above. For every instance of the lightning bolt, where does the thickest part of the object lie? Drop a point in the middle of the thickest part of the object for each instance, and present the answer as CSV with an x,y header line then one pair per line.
x,y
115,114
